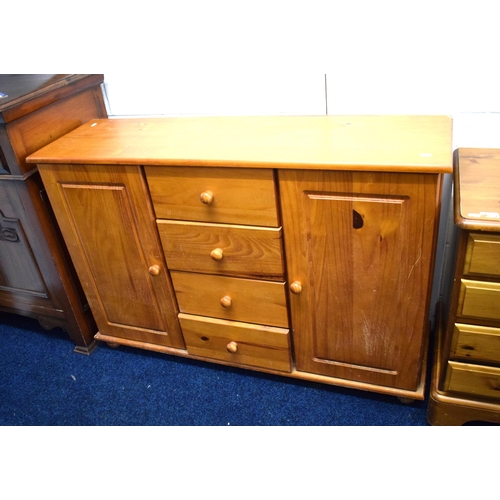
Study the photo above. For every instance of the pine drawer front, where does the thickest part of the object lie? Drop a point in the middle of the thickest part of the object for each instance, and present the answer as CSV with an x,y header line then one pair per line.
x,y
479,299
237,343
236,299
473,379
226,195
483,254
244,251
476,343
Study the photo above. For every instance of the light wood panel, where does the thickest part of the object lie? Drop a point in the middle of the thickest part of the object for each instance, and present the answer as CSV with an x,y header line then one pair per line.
x,y
244,251
105,218
252,301
237,343
483,254
230,196
479,299
358,245
389,143
476,196
473,379
476,343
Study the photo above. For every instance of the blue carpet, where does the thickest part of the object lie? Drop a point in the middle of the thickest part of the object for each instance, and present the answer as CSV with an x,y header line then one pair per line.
x,y
44,383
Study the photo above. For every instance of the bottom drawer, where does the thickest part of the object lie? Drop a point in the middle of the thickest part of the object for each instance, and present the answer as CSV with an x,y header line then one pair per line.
x,y
237,343
473,379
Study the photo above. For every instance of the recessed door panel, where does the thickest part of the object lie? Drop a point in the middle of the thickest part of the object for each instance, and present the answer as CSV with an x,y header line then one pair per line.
x,y
108,224
19,271
361,246
357,279
113,252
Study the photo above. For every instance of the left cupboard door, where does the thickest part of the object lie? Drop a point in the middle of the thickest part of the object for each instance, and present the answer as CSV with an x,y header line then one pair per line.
x,y
108,223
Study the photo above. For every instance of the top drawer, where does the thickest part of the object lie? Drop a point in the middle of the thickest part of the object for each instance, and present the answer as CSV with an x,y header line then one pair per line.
x,y
483,254
223,195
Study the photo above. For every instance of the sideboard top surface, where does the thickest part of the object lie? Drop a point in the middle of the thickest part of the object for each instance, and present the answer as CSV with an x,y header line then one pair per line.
x,y
375,143
477,188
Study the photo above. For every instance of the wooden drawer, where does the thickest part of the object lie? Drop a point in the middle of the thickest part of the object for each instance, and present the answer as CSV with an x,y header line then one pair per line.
x,y
483,254
473,379
245,300
231,195
476,343
238,343
245,251
479,299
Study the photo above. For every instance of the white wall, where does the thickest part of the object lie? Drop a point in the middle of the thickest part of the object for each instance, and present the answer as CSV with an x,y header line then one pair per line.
x,y
202,93
294,57
271,57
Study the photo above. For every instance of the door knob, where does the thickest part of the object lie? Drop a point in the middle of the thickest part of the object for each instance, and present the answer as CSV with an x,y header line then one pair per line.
x,y
154,270
296,287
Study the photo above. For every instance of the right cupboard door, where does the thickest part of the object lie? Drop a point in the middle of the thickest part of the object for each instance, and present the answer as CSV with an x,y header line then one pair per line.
x,y
361,246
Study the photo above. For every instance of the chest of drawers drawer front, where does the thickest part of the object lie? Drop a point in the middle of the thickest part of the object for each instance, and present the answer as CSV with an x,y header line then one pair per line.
x,y
237,299
238,343
483,254
479,299
244,251
225,195
476,343
473,379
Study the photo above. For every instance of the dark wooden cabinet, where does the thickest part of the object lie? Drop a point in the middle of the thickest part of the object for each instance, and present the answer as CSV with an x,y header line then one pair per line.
x,y
37,278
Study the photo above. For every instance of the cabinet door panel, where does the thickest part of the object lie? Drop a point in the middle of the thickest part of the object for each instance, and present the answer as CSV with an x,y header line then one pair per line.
x,y
110,230
16,254
361,245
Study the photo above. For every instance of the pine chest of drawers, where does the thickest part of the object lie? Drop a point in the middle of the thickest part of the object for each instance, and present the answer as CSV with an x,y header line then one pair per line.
x,y
222,243
300,246
466,380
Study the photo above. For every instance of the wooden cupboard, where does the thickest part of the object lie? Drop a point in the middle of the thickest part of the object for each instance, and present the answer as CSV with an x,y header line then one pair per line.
x,y
37,278
465,384
356,244
302,246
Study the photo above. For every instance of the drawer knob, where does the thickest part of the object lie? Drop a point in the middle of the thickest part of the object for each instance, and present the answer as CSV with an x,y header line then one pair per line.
x,y
154,270
232,347
207,197
217,254
226,301
296,287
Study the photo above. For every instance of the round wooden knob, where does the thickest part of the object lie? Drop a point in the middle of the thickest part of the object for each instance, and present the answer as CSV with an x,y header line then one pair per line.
x,y
154,270
296,287
207,197
232,347
226,301
217,254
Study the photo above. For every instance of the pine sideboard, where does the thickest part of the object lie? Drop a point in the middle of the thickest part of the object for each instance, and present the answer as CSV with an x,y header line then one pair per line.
x,y
300,246
37,278
465,384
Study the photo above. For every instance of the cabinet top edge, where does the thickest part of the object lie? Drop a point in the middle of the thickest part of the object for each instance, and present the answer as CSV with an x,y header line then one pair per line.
x,y
477,189
377,143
